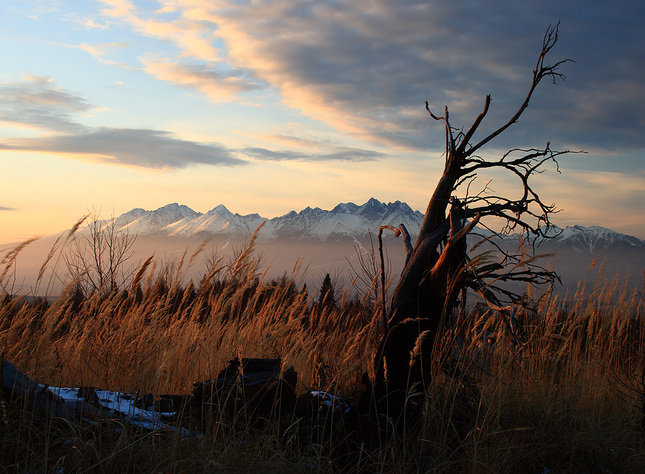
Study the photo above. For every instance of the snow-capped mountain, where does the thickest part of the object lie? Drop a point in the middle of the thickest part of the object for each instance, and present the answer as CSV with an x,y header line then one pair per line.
x,y
218,220
139,221
593,239
329,241
346,220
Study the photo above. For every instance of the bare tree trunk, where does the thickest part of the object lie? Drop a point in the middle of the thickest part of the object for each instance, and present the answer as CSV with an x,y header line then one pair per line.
x,y
437,268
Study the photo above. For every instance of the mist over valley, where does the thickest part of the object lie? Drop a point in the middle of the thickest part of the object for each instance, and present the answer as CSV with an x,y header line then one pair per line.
x,y
313,242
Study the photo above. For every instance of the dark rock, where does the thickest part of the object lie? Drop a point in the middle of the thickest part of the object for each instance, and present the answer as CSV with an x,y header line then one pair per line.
x,y
323,407
15,384
322,416
170,403
231,370
259,386
89,395
144,402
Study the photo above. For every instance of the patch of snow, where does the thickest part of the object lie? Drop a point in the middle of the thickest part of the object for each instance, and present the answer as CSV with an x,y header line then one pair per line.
x,y
331,401
124,405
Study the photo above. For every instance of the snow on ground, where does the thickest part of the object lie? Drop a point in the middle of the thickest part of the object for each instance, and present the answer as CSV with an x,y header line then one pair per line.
x,y
123,405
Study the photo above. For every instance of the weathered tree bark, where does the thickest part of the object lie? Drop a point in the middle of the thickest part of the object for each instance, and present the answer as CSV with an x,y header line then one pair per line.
x,y
437,268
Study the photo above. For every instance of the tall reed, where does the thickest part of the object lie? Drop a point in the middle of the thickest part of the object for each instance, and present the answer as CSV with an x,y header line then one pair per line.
x,y
559,388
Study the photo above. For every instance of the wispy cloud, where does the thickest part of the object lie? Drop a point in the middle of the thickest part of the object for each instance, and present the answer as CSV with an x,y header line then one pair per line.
x,y
188,31
351,154
41,8
36,102
129,147
39,102
339,154
100,51
216,85
367,70
293,140
4,208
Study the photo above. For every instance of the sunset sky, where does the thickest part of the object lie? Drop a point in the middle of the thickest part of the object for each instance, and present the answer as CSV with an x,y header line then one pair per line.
x,y
272,105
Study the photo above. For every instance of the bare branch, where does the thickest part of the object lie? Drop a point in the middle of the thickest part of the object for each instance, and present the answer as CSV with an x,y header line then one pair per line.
x,y
438,268
473,128
540,72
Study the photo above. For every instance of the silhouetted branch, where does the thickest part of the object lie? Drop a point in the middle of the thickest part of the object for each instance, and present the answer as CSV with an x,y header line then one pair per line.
x,y
438,267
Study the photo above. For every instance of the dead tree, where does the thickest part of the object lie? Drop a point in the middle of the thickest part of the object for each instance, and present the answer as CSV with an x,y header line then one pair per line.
x,y
438,269
97,259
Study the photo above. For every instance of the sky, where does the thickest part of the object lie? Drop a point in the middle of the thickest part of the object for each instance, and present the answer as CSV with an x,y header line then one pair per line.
x,y
269,106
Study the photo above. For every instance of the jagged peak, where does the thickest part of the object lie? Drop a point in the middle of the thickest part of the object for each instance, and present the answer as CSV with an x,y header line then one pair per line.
x,y
219,209
372,206
288,215
345,208
400,205
372,202
347,218
173,205
311,210
136,210
175,208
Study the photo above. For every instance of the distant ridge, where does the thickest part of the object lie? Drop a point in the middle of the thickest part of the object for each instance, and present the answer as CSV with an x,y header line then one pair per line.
x,y
595,238
345,221
328,241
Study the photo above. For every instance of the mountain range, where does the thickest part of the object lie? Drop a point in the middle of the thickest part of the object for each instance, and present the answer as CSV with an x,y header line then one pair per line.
x,y
345,221
330,241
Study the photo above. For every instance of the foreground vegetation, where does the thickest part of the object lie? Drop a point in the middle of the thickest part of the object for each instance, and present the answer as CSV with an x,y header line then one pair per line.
x,y
561,389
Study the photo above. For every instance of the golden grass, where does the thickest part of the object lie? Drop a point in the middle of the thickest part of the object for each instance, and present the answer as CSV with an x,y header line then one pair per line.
x,y
569,396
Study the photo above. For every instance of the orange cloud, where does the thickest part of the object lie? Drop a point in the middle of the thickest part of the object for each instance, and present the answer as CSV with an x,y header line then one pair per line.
x,y
189,35
195,31
216,86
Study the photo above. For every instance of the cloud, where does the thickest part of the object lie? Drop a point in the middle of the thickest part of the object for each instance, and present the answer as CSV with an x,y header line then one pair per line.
x,y
4,208
351,154
192,33
41,8
273,155
37,102
339,154
217,86
99,51
609,199
290,140
129,147
368,69
297,141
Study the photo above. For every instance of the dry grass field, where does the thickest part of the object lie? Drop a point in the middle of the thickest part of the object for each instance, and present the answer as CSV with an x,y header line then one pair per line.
x,y
563,390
